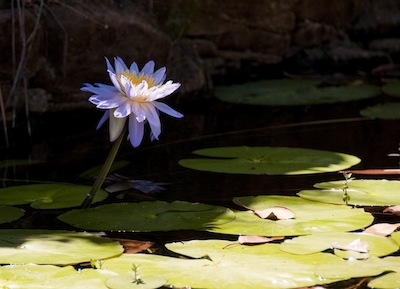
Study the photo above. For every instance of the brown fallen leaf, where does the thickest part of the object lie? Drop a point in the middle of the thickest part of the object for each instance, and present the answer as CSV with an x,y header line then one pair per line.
x,y
275,213
257,239
133,246
395,210
382,229
374,172
357,246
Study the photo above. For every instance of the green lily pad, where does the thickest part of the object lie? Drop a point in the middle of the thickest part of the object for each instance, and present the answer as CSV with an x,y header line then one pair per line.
x,y
33,276
373,266
293,92
310,217
130,281
362,192
227,266
389,110
48,196
54,247
392,88
9,214
375,245
269,160
149,216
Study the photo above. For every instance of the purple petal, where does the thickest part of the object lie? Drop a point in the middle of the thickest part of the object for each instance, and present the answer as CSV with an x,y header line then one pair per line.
x,y
103,119
166,109
120,65
136,131
148,68
159,76
109,66
153,119
123,110
134,68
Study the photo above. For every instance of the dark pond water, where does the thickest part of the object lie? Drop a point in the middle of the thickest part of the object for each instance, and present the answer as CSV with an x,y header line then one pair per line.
x,y
68,144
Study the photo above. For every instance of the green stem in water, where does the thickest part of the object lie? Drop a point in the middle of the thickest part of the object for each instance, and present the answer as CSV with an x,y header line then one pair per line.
x,y
104,171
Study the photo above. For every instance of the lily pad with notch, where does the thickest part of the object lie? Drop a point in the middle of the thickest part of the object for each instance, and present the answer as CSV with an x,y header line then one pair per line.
x,y
54,247
48,196
149,216
269,160
366,192
294,92
309,218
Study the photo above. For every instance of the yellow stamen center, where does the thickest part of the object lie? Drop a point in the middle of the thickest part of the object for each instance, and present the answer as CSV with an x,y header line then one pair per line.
x,y
137,79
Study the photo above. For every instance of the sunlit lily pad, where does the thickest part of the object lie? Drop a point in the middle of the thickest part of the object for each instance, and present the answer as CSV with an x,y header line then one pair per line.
x,y
132,281
376,245
225,266
362,192
269,160
373,266
392,88
389,110
48,196
293,92
310,217
149,216
54,247
9,214
33,276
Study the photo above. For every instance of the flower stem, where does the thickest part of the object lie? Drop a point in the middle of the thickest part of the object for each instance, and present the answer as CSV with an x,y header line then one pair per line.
x,y
104,171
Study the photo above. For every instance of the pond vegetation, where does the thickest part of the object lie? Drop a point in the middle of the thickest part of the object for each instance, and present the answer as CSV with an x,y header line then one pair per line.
x,y
192,232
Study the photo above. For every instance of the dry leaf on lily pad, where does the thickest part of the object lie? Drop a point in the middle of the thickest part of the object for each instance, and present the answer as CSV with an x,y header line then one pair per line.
x,y
257,239
357,246
382,229
275,213
133,246
395,210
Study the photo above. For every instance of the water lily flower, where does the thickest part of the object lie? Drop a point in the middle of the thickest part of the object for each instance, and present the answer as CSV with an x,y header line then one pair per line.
x,y
133,97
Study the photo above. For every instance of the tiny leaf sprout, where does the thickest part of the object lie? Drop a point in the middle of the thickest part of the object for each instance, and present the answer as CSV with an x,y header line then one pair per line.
x,y
136,278
346,196
96,264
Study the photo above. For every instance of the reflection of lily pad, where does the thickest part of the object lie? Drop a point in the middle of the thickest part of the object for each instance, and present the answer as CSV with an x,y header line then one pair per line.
x,y
389,110
392,88
269,160
361,192
54,247
9,214
48,196
149,216
293,92
16,162
32,276
233,267
376,245
310,218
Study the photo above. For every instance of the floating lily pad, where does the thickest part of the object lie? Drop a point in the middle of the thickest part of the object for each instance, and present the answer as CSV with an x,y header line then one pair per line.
x,y
227,266
48,196
33,276
310,217
364,268
375,245
361,192
392,88
269,160
131,281
54,247
149,216
9,214
293,92
389,110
